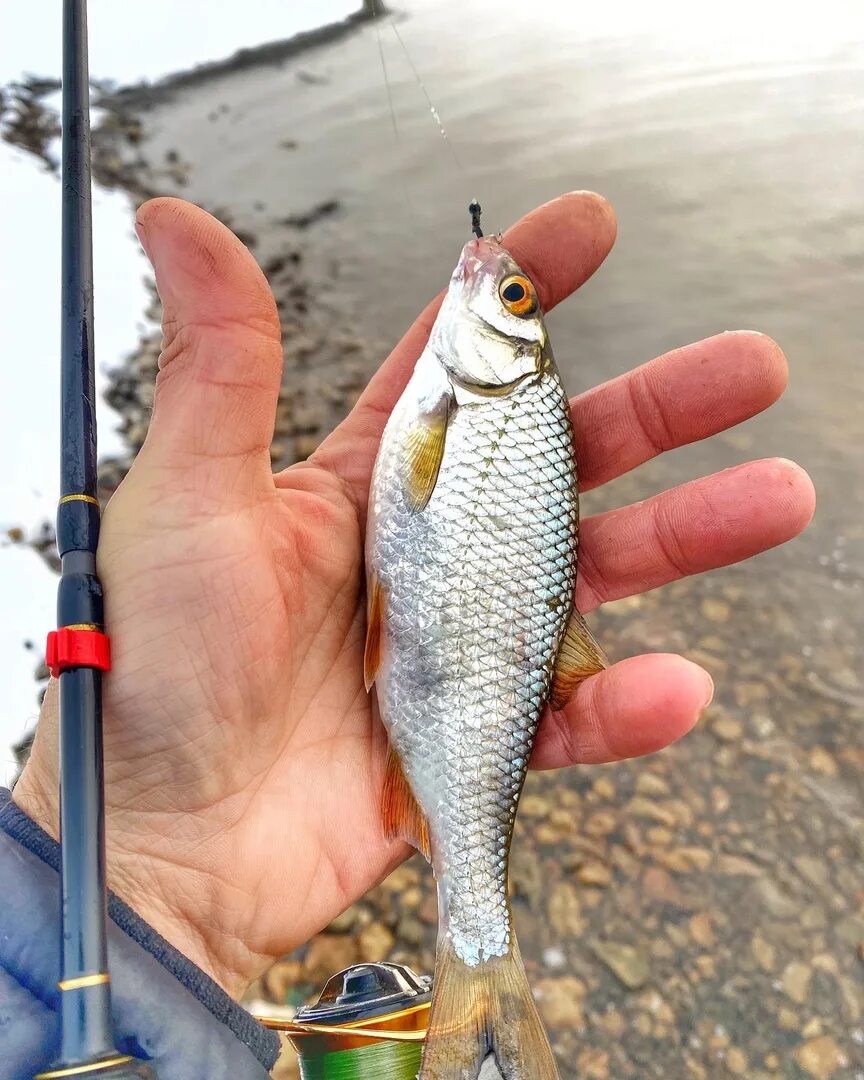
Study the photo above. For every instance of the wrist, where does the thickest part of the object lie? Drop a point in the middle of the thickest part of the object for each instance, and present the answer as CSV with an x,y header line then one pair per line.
x,y
180,902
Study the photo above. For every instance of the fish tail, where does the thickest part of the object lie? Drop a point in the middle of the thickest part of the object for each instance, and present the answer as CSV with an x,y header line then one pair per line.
x,y
487,1007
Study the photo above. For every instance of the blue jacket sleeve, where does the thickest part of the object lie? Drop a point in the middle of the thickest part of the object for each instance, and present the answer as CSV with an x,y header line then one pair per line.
x,y
166,1010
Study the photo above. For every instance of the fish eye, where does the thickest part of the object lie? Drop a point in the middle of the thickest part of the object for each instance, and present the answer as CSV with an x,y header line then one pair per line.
x,y
518,296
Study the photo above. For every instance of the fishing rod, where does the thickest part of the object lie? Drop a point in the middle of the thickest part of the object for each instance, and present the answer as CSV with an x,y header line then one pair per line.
x,y
78,651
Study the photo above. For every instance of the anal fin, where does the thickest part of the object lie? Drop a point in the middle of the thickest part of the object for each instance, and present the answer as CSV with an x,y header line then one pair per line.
x,y
579,656
400,813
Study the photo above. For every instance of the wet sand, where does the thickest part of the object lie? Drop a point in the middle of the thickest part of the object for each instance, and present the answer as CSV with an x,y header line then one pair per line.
x,y
699,913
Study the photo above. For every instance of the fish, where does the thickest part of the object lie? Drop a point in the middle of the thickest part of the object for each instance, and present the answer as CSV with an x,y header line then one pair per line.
x,y
471,559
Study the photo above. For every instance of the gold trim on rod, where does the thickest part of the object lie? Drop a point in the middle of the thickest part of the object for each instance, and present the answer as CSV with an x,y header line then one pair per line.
x,y
78,1070
96,979
78,498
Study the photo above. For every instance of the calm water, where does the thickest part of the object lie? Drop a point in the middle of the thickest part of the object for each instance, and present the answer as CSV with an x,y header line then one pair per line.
x,y
731,150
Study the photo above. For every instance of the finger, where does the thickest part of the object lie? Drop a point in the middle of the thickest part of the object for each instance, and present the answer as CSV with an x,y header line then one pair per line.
x,y
715,521
635,707
679,398
221,361
559,245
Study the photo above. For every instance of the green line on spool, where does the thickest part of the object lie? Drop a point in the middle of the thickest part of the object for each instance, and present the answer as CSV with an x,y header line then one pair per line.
x,y
380,1061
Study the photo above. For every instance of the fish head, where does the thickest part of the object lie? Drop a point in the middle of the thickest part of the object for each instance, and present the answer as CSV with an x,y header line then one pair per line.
x,y
489,334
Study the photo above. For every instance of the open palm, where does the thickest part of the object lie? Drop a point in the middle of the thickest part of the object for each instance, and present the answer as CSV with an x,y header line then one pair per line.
x,y
243,756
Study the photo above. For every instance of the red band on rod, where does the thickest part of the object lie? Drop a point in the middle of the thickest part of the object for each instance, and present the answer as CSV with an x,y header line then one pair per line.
x,y
71,647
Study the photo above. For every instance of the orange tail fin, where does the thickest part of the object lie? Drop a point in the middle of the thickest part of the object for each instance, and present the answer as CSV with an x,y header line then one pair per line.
x,y
483,1009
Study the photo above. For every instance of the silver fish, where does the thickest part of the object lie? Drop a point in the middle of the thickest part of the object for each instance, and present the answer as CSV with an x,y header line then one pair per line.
x,y
471,567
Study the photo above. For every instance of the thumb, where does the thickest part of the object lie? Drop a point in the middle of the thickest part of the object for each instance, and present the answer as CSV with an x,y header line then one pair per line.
x,y
221,363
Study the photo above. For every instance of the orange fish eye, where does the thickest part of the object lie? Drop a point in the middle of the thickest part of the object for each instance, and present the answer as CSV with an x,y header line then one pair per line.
x,y
518,296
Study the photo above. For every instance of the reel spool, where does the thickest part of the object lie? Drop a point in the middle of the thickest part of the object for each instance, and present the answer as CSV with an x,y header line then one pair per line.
x,y
368,1024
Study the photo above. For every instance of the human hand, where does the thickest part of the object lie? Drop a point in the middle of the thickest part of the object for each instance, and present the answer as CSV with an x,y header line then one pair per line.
x,y
243,761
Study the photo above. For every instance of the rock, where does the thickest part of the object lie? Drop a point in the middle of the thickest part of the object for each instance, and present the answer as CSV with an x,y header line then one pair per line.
x,y
821,1057
737,866
600,823
813,870
603,788
412,899
428,912
593,1064
410,931
777,901
562,819
554,958
701,930
402,878
281,979
736,1061
346,921
715,610
565,912
720,800
560,1001
658,884
526,875
727,729
594,873
627,963
654,811
327,954
821,761
795,981
649,784
763,952
534,806
375,943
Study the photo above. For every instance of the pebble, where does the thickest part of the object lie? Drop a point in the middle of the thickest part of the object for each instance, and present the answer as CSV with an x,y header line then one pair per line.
x,y
795,981
565,911
702,931
593,1064
628,963
594,873
715,610
821,1057
560,1001
764,953
821,761
375,942
327,954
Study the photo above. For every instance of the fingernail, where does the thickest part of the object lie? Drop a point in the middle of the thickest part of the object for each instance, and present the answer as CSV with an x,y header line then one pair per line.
x,y
710,696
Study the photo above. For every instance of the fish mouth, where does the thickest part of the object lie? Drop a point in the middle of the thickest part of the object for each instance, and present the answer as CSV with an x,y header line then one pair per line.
x,y
481,253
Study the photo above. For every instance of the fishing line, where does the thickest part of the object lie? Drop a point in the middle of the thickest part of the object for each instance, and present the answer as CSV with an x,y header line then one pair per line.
x,y
380,12
381,1061
435,115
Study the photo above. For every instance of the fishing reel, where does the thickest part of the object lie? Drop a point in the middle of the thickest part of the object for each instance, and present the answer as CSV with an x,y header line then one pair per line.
x,y
369,1021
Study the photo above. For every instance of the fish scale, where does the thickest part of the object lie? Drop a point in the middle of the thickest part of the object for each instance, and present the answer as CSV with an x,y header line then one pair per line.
x,y
479,588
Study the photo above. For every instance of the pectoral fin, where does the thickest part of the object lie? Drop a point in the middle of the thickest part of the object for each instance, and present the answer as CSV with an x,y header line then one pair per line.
x,y
400,814
578,657
374,630
424,449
